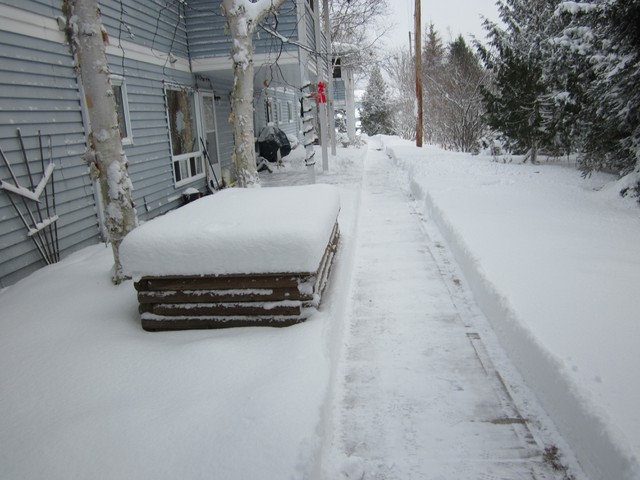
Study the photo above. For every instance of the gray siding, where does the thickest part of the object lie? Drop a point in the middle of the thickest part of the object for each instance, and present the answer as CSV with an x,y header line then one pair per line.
x,y
310,27
149,156
283,123
207,37
225,135
339,91
159,25
40,92
46,8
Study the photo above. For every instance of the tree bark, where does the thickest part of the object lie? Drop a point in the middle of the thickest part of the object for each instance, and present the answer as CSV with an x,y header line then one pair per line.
x,y
105,155
243,18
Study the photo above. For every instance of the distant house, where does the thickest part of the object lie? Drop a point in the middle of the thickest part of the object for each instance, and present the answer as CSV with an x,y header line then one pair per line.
x,y
344,87
171,72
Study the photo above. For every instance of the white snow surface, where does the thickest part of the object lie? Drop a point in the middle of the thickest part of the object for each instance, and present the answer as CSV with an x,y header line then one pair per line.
x,y
399,374
554,263
236,231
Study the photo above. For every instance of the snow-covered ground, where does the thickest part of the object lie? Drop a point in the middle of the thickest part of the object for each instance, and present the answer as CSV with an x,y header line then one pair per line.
x,y
237,231
553,262
381,383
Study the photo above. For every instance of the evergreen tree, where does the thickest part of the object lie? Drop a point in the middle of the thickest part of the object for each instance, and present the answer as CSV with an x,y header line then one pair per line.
x,y
519,96
597,69
376,111
433,50
433,69
452,76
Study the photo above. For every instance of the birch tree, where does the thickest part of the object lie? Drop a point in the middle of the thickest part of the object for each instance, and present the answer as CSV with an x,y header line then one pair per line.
x,y
243,17
105,155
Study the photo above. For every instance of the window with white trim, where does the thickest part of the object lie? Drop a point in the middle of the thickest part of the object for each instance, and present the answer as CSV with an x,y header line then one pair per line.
x,y
279,110
186,153
122,108
290,112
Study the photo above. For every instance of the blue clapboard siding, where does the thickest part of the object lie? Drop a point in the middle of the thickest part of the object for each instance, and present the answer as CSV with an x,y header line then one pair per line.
x,y
156,24
283,96
46,8
39,91
149,157
339,91
207,37
205,24
310,28
225,135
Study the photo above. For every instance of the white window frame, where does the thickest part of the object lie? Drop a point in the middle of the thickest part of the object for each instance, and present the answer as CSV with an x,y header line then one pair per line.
x,y
119,81
196,154
290,111
279,109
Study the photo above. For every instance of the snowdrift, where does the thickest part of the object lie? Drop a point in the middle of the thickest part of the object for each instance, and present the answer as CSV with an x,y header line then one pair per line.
x,y
553,264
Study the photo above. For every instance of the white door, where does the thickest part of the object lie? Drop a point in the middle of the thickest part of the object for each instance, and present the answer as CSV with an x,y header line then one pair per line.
x,y
210,139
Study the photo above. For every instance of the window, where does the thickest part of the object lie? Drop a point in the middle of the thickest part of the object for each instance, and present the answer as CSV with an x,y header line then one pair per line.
x,y
270,114
122,108
279,111
337,68
186,155
290,111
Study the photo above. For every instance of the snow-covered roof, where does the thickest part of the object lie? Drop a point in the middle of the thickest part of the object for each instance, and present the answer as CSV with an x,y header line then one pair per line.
x,y
237,231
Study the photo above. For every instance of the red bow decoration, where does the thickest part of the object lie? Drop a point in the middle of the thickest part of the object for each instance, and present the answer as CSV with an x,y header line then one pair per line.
x,y
322,98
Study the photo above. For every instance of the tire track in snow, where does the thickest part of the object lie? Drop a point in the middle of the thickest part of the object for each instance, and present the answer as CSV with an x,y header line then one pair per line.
x,y
418,398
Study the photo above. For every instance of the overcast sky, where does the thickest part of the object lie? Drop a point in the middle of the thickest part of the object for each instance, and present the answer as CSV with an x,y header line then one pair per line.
x,y
450,17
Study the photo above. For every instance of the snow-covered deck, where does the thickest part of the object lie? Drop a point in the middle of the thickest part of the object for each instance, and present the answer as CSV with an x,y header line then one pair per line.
x,y
238,258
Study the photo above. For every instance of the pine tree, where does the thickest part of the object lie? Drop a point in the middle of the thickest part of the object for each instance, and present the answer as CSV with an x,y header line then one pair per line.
x,y
519,96
599,52
433,69
376,112
433,50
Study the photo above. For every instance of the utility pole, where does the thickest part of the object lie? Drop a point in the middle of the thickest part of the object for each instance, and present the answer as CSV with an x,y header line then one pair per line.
x,y
418,39
323,123
331,112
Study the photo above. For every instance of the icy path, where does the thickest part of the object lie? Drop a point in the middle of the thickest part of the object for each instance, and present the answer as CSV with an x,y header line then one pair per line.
x,y
417,396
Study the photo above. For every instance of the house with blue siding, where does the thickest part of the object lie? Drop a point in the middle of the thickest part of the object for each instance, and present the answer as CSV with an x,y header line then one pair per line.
x,y
172,79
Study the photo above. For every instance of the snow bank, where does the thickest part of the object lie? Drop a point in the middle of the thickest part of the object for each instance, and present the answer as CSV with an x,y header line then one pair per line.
x,y
553,263
87,394
264,230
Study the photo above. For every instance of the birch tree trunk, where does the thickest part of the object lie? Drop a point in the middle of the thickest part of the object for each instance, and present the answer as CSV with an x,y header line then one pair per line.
x,y
243,17
105,155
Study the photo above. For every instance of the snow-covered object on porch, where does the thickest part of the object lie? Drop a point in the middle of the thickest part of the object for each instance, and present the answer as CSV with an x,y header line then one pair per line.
x,y
240,257
255,230
272,139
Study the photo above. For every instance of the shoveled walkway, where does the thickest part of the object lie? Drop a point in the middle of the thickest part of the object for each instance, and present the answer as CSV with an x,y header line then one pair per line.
x,y
417,395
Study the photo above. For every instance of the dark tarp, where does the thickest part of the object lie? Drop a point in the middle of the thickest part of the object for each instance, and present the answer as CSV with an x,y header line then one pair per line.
x,y
271,139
